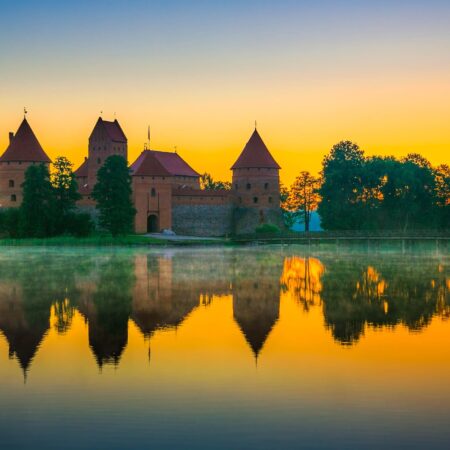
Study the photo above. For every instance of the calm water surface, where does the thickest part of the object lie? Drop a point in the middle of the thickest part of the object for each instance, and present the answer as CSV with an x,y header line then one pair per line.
x,y
253,348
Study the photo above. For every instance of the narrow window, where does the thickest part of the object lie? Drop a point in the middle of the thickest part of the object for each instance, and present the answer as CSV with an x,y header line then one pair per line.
x,y
255,199
13,198
11,183
236,186
266,185
99,161
240,199
249,186
153,194
270,199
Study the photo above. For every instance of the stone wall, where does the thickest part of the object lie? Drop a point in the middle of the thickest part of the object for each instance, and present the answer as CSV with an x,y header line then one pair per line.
x,y
245,220
203,220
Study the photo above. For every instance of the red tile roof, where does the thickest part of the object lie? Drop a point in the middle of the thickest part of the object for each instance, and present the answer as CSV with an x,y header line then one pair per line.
x,y
25,146
82,171
156,163
255,155
113,130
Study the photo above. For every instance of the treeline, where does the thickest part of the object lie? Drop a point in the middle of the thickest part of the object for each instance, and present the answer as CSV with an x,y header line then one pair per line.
x,y
355,192
49,208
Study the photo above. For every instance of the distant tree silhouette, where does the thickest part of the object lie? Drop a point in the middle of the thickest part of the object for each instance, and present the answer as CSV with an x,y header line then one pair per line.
x,y
341,187
382,193
290,213
207,182
304,196
113,195
442,177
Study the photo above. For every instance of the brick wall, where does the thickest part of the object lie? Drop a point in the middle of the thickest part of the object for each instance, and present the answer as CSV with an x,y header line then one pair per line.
x,y
202,220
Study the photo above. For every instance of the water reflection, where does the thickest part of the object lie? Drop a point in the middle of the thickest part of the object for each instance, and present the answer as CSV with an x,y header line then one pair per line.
x,y
158,291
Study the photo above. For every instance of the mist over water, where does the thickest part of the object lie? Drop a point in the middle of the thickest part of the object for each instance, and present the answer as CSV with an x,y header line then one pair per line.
x,y
256,347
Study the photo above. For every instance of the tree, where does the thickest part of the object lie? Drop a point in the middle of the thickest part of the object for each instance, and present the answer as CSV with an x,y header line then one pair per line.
x,y
341,187
304,197
290,214
113,195
442,178
207,183
66,191
37,211
409,195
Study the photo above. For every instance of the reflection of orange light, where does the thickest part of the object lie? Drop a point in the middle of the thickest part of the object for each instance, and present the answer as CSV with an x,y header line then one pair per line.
x,y
302,278
373,284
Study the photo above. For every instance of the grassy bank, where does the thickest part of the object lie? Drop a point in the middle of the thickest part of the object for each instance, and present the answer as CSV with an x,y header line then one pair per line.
x,y
102,241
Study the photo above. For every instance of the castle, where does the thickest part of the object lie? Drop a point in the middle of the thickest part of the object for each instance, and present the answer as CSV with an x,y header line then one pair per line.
x,y
166,189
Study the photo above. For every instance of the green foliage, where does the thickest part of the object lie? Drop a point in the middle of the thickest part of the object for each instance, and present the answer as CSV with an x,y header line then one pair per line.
x,y
113,195
267,228
37,211
66,194
207,183
9,222
303,197
289,215
341,187
79,224
380,193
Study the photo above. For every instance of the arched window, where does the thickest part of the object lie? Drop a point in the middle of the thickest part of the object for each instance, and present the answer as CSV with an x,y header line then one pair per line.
x,y
153,192
13,198
255,199
11,183
249,186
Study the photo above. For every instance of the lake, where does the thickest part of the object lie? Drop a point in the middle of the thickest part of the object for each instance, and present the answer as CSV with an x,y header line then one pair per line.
x,y
265,347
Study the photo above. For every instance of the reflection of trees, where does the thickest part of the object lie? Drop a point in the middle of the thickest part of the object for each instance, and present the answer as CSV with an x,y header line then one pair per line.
x,y
302,279
28,287
385,293
108,319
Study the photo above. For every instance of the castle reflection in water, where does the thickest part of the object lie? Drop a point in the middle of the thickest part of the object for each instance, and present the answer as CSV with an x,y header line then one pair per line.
x,y
159,290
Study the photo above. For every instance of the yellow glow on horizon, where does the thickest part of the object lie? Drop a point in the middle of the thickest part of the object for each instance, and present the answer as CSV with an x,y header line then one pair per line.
x,y
299,120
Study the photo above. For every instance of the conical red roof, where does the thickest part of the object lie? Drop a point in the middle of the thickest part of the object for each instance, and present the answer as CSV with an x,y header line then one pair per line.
x,y
24,146
255,155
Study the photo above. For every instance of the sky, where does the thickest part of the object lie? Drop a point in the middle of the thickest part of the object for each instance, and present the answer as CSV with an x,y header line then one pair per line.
x,y
311,73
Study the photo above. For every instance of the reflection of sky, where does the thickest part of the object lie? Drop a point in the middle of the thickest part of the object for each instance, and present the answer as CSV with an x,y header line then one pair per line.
x,y
200,72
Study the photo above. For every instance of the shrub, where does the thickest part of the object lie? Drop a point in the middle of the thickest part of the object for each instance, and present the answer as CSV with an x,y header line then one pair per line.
x,y
79,224
9,222
267,228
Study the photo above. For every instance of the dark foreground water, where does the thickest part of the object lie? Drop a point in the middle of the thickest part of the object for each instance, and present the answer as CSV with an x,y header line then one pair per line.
x,y
255,348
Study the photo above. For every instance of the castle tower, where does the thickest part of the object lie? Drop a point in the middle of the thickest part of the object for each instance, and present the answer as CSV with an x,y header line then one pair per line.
x,y
256,187
23,150
106,139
